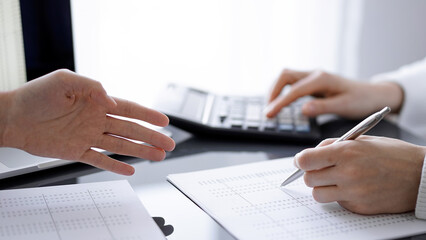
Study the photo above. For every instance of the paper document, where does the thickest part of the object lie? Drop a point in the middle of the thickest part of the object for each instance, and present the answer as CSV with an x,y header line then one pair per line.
x,y
248,202
105,210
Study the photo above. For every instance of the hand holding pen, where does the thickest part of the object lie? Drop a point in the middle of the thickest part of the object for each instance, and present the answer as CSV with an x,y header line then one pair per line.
x,y
371,175
358,130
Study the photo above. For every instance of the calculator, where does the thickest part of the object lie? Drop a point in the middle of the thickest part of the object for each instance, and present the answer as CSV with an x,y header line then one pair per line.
x,y
205,113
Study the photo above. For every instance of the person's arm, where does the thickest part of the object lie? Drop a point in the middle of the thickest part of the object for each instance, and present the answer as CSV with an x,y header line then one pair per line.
x,y
335,94
5,102
65,115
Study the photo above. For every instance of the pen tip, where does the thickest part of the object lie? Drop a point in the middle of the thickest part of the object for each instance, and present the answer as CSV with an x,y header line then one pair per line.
x,y
385,110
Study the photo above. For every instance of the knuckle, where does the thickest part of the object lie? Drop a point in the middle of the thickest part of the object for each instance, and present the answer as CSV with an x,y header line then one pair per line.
x,y
145,152
326,141
316,194
285,71
62,73
152,138
302,159
156,154
320,74
97,84
127,107
113,165
308,179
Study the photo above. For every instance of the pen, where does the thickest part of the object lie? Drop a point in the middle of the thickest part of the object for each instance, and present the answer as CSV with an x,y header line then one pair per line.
x,y
355,132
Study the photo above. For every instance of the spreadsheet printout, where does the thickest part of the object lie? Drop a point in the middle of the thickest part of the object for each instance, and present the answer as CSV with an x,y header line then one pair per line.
x,y
104,210
247,201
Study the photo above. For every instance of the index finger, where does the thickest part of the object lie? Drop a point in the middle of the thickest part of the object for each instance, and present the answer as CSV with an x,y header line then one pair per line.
x,y
286,77
304,87
130,109
319,157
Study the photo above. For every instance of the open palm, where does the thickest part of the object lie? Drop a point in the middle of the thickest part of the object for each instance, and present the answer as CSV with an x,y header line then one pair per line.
x,y
63,115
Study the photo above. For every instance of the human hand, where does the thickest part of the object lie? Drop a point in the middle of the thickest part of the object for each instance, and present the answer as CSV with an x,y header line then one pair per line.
x,y
350,99
369,175
63,115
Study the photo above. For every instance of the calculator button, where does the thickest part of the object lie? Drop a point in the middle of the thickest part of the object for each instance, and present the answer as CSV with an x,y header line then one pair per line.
x,y
303,128
269,128
285,127
222,119
253,125
285,121
285,113
269,124
302,125
253,112
236,123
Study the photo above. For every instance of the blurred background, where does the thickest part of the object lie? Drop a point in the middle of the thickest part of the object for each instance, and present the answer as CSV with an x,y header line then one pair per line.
x,y
135,47
240,46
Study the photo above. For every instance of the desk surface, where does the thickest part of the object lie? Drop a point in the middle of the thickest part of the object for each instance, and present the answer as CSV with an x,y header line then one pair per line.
x,y
192,153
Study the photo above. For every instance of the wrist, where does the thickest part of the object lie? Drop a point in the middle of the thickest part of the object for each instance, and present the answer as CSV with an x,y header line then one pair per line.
x,y
389,94
5,104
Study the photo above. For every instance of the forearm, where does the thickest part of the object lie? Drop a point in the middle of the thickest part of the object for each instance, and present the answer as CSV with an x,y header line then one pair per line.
x,y
5,103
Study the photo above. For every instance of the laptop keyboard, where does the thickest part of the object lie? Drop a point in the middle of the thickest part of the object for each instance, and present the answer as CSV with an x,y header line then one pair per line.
x,y
246,113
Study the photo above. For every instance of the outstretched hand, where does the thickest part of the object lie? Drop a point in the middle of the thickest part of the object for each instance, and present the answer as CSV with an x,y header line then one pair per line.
x,y
65,115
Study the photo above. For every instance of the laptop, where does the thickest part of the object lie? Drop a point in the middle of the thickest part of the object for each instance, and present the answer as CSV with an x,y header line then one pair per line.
x,y
16,162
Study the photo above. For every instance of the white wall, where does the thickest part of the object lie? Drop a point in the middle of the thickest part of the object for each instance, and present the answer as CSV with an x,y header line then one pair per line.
x,y
393,33
12,59
134,47
235,46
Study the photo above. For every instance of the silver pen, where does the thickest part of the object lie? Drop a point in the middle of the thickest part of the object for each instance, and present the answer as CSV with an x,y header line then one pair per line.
x,y
355,132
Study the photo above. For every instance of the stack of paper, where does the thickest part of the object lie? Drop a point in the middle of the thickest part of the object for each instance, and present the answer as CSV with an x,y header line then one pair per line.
x,y
106,210
248,202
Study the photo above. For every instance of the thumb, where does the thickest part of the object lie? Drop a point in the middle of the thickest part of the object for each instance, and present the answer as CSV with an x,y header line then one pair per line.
x,y
317,107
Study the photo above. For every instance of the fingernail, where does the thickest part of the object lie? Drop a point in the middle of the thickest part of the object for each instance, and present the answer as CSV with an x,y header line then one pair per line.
x,y
308,108
296,160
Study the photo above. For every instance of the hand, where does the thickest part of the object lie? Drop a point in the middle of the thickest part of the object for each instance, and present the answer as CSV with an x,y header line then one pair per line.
x,y
369,175
337,95
63,115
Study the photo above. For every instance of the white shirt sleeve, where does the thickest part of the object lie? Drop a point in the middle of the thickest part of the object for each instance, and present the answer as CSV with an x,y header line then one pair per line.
x,y
412,79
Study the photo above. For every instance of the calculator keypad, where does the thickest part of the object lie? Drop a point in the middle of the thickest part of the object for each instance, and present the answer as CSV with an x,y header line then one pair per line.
x,y
247,113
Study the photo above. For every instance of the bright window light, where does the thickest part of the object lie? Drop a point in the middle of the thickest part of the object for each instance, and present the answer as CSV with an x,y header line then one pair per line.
x,y
135,47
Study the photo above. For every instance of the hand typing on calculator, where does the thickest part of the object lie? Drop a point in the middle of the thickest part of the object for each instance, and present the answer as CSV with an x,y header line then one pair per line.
x,y
337,95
